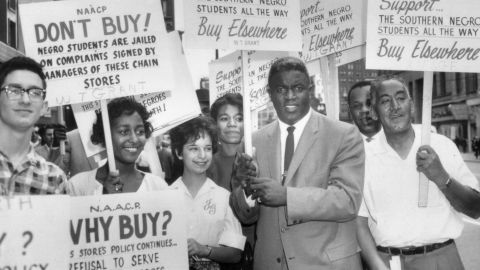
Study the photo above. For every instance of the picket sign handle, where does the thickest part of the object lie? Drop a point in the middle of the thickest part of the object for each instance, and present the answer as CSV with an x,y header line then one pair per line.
x,y
330,86
247,114
108,136
426,130
61,120
150,152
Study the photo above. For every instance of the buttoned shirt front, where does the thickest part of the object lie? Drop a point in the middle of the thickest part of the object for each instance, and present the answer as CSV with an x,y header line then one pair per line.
x,y
391,194
210,219
33,175
297,133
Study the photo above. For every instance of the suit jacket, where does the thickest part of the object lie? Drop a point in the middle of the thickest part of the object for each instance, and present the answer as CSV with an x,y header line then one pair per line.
x,y
316,229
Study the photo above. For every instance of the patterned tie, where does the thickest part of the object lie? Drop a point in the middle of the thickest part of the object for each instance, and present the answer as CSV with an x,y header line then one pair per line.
x,y
289,145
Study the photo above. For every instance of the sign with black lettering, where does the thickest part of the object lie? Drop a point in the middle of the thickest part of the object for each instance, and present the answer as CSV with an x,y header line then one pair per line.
x,y
98,49
331,26
128,231
34,232
271,25
424,35
226,76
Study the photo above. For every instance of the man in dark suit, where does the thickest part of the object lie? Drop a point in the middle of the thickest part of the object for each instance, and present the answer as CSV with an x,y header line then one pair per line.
x,y
310,176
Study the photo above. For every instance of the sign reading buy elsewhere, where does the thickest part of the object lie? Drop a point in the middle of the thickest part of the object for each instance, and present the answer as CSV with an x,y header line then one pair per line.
x,y
98,49
331,26
243,24
426,35
128,231
34,233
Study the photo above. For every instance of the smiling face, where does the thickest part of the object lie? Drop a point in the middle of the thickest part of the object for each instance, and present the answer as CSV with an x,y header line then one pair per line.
x,y
394,106
21,114
230,124
292,105
197,155
128,137
360,106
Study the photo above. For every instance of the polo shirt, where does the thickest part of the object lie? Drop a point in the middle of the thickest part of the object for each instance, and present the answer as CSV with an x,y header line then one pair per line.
x,y
210,220
390,192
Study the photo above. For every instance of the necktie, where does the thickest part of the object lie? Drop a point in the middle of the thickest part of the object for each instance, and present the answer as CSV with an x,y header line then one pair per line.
x,y
289,145
369,139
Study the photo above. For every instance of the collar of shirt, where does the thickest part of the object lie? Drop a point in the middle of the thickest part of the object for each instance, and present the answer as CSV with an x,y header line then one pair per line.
x,y
206,187
30,158
374,137
380,144
297,133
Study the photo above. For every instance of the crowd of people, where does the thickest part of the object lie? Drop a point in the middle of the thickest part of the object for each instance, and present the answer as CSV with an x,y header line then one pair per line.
x,y
316,194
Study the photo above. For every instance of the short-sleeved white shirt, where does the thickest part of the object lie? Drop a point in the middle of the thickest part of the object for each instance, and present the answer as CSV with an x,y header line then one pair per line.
x,y
85,183
391,194
210,219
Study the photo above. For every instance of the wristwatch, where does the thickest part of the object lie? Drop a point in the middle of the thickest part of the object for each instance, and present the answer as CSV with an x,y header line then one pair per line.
x,y
446,184
209,248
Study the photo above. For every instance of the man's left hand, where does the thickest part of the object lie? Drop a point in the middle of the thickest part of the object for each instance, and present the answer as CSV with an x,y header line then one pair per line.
x,y
429,164
269,192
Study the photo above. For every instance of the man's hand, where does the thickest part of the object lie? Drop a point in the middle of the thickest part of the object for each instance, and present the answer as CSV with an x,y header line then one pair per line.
x,y
196,249
244,167
60,133
268,192
429,164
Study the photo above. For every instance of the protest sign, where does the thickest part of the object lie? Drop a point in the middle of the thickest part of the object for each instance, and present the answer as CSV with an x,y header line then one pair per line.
x,y
34,232
243,25
425,35
226,75
331,26
168,108
128,231
350,55
98,49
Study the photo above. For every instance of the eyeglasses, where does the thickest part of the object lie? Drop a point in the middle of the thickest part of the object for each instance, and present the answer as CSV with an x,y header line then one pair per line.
x,y
296,89
16,92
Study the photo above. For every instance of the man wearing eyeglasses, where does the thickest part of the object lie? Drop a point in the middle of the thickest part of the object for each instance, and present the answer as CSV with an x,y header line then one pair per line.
x,y
22,103
310,176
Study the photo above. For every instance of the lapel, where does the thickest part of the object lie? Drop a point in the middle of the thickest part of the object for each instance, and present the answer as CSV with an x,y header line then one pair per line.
x,y
304,145
272,146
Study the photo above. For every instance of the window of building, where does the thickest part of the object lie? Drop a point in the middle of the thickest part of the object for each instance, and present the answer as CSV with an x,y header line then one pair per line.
x,y
443,90
471,82
458,83
12,4
12,34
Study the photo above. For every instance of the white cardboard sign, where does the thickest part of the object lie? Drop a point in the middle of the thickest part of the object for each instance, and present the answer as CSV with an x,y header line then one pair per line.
x,y
243,25
424,35
331,26
98,49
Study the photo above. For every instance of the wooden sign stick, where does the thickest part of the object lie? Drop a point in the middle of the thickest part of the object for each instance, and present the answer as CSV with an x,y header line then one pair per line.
x,y
426,126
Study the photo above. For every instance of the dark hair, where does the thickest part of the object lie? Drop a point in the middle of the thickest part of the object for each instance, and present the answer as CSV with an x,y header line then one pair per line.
x,y
359,84
22,63
42,131
376,86
234,99
192,130
286,64
116,108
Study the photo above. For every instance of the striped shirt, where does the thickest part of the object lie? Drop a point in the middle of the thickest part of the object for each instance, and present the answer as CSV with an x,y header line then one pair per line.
x,y
34,175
